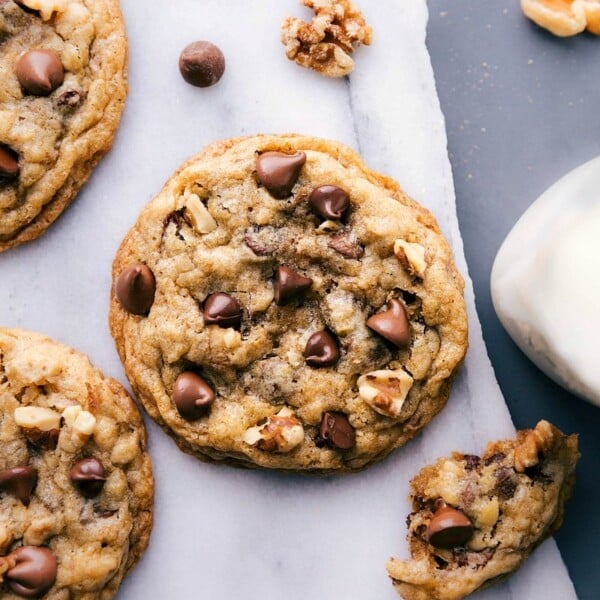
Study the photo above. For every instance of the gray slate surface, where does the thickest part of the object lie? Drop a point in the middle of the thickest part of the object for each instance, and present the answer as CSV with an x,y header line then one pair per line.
x,y
522,108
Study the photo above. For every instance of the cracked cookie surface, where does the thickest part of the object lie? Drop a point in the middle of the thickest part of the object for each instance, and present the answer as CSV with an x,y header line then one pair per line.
x,y
76,487
63,71
476,519
281,305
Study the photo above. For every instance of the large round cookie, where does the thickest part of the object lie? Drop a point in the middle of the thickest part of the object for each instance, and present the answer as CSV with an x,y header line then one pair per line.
x,y
76,487
63,73
281,305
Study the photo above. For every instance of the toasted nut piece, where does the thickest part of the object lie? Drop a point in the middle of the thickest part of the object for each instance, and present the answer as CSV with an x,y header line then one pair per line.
x,y
489,514
46,8
198,216
325,44
79,426
329,227
411,257
561,17
537,440
385,391
37,417
281,433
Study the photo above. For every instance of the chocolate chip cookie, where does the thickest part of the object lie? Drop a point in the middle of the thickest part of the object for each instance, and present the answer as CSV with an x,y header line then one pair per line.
x,y
476,519
63,66
281,305
76,487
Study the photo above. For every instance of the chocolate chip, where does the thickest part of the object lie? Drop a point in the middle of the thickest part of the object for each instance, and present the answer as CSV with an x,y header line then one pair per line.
x,y
329,201
34,572
135,289
261,247
471,461
222,310
498,457
19,481
392,324
40,71
346,245
279,172
88,476
46,439
321,350
9,164
104,513
289,284
69,98
202,64
506,483
336,431
448,528
192,396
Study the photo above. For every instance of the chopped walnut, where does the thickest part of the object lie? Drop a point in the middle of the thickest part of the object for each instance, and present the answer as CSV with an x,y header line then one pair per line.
x,y
564,17
385,391
46,8
537,440
280,433
325,44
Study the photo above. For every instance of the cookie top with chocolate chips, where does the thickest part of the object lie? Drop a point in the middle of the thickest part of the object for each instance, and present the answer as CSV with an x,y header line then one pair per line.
x,y
63,65
76,487
281,305
476,519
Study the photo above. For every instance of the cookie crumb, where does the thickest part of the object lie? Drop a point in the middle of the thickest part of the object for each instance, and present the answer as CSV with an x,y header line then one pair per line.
x,y
325,44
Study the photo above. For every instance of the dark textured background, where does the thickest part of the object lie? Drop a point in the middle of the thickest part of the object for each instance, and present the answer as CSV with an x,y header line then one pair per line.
x,y
522,108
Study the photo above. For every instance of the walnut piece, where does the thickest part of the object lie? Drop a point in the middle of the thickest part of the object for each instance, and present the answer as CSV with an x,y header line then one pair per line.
x,y
79,426
37,417
537,440
325,44
411,257
198,216
46,8
385,391
281,433
564,17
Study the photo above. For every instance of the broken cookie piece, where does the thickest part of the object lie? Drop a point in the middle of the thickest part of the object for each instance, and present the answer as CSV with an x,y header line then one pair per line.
x,y
326,43
476,519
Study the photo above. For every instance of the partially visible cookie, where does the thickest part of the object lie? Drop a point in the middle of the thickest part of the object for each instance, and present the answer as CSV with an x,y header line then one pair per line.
x,y
476,519
63,73
281,305
76,487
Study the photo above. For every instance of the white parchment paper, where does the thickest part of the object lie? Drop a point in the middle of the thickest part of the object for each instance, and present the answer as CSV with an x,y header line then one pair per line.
x,y
222,533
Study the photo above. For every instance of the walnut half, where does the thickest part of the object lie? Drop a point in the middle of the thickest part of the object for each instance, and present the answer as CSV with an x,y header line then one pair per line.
x,y
537,440
325,44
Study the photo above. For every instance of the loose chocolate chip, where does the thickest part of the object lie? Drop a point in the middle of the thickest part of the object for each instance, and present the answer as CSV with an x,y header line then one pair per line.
x,y
192,396
9,164
336,431
346,245
329,201
34,572
289,284
88,476
135,289
202,64
448,528
392,324
222,310
321,350
40,71
471,461
279,172
19,481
